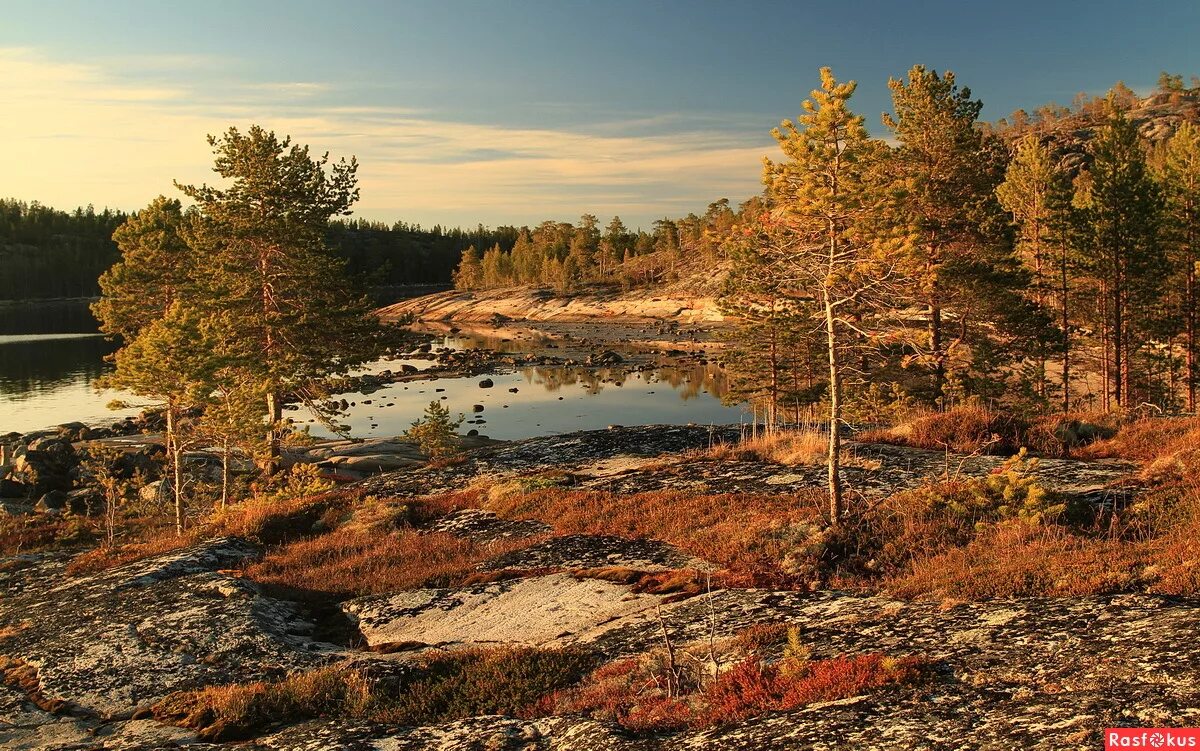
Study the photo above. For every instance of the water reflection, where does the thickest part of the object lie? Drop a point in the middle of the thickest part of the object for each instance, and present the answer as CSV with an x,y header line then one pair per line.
x,y
539,400
50,358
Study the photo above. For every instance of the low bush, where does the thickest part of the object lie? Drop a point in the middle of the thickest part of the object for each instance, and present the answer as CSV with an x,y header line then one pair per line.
x,y
635,694
966,429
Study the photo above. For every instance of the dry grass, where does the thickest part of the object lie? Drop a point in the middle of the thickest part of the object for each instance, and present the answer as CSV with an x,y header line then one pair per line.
x,y
1148,546
444,687
355,562
104,558
791,448
267,520
747,534
1023,560
1168,448
966,429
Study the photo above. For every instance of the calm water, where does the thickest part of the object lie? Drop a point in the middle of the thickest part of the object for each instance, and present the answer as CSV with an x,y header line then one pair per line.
x,y
49,360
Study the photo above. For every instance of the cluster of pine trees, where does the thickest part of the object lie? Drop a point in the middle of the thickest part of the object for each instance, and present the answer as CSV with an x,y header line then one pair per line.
x,y
564,256
47,253
233,306
1003,263
956,262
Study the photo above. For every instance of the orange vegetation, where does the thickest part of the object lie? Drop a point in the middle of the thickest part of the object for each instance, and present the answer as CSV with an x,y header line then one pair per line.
x,y
353,562
624,692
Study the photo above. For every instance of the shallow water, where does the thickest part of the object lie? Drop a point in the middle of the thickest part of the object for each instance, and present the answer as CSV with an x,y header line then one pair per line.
x,y
49,363
548,400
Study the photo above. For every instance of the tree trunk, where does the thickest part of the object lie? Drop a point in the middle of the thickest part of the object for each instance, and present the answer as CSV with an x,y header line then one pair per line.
x,y
1190,293
225,475
1120,362
176,470
1105,347
275,415
1066,332
835,415
939,363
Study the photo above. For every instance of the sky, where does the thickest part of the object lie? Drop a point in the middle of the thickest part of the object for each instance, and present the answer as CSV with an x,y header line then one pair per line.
x,y
515,111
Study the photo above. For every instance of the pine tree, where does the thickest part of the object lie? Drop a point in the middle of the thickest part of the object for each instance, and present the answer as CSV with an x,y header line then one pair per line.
x,y
1178,170
293,318
155,268
826,196
1123,205
962,261
171,359
1037,193
469,274
153,277
527,265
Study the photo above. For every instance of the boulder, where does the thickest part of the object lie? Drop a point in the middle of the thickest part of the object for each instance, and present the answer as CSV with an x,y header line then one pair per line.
x,y
83,501
113,642
54,501
155,492
486,383
13,489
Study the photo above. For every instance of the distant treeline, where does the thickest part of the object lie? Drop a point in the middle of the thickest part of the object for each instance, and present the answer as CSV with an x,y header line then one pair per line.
x,y
49,253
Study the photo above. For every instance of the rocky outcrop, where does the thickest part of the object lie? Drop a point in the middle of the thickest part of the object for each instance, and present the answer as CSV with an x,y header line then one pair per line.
x,y
537,611
532,304
1039,674
625,460
110,643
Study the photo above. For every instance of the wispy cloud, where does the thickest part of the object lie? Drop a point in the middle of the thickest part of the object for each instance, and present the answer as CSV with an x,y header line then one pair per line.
x,y
75,133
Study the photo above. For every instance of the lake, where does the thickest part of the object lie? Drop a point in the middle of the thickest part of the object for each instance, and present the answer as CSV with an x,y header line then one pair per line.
x,y
50,358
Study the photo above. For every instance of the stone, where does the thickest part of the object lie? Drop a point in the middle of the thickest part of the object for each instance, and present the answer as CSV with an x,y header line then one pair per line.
x,y
55,500
155,492
486,383
83,501
13,489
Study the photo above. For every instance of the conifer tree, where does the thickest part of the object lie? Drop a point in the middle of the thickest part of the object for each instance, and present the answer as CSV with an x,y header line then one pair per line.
x,y
527,265
1037,194
826,196
293,318
1178,165
153,277
155,268
1123,209
963,259
469,274
172,360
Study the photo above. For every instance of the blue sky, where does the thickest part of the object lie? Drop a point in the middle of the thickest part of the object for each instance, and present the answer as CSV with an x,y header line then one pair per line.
x,y
510,112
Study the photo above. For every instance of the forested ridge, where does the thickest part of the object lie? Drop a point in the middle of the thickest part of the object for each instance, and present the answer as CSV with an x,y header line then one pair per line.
x,y
50,253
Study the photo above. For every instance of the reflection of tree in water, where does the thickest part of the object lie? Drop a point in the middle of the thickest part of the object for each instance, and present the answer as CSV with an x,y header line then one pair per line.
x,y
688,381
554,377
529,342
27,367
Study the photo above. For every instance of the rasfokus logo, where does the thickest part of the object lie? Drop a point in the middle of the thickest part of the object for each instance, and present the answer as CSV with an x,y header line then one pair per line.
x,y
1152,738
